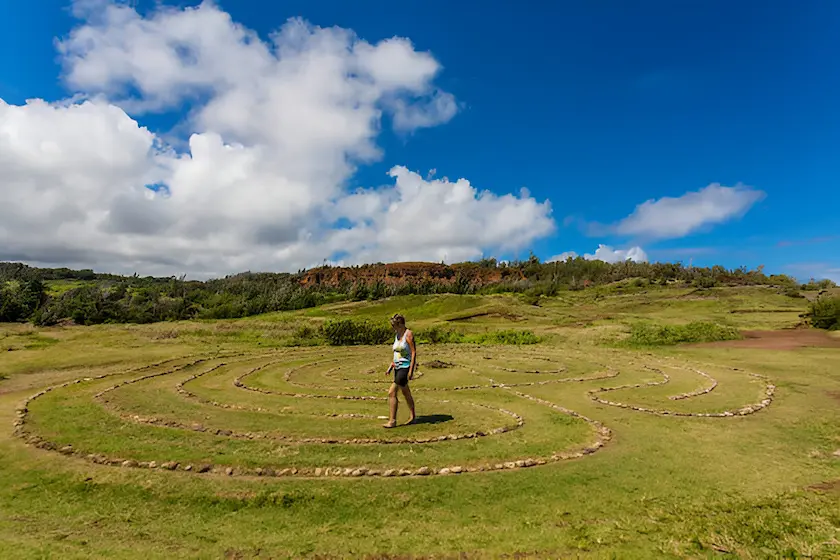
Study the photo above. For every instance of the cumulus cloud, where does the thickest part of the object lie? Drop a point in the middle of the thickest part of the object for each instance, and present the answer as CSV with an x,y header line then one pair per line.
x,y
274,131
671,217
607,254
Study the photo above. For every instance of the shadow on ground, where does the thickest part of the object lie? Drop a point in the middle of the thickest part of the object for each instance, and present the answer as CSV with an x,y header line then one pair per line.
x,y
433,419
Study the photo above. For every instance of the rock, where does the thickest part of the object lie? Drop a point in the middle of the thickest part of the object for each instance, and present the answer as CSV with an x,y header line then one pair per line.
x,y
836,453
404,472
520,463
348,471
510,465
66,450
456,470
169,465
423,471
229,471
373,472
153,464
389,472
129,463
359,472
204,468
318,471
188,468
444,471
530,462
259,471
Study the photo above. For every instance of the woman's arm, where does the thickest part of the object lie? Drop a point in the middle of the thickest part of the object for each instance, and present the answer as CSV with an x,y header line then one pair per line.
x,y
409,338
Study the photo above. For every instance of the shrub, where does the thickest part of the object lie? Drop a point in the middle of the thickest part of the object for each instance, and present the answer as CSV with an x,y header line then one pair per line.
x,y
645,334
439,335
824,312
705,282
306,335
792,292
350,332
506,337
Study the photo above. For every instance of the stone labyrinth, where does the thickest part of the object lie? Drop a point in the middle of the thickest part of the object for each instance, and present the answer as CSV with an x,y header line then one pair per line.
x,y
318,412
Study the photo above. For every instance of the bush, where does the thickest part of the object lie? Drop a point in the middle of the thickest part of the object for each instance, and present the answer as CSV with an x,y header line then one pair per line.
x,y
645,334
439,335
506,337
306,335
824,312
350,332
704,282
792,292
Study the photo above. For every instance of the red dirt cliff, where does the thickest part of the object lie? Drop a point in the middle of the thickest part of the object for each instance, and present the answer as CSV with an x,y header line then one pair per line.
x,y
406,272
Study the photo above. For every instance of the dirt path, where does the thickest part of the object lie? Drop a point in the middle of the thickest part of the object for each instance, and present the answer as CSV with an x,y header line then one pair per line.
x,y
788,339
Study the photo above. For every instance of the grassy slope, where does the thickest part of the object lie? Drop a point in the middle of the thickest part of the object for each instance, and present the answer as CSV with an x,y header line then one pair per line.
x,y
664,487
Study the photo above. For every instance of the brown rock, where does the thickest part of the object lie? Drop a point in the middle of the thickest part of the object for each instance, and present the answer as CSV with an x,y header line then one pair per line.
x,y
129,463
229,471
204,468
423,471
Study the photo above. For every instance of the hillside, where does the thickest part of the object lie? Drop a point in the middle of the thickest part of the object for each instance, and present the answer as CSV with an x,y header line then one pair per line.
x,y
51,296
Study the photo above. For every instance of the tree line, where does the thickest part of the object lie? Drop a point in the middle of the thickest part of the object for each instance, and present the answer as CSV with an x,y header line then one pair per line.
x,y
47,296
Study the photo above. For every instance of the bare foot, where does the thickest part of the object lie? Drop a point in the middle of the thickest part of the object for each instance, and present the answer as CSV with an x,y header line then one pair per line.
x,y
410,421
390,425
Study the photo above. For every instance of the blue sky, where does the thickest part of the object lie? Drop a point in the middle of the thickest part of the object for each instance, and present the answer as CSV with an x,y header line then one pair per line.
x,y
597,107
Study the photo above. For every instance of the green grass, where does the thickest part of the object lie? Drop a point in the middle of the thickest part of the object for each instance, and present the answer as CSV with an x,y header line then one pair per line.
x,y
646,334
56,288
758,486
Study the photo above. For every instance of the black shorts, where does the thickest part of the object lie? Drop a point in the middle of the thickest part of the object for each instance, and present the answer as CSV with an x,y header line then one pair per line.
x,y
401,376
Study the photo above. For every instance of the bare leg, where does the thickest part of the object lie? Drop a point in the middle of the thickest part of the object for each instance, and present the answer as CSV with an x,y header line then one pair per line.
x,y
392,406
409,399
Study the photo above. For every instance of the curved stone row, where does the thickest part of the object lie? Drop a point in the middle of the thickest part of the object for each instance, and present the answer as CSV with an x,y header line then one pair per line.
x,y
293,439
22,410
698,392
561,369
313,471
609,373
238,382
604,434
743,411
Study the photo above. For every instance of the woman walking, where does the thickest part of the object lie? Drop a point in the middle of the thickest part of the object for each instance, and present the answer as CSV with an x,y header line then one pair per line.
x,y
403,364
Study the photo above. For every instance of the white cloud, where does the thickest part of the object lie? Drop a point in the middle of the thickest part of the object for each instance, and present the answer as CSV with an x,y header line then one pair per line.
x,y
671,217
563,256
607,254
275,131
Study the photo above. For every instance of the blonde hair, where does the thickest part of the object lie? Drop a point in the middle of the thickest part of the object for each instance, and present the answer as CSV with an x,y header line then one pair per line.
x,y
397,319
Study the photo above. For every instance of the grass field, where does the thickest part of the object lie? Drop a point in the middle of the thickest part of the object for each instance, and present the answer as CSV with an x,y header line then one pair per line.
x,y
607,439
